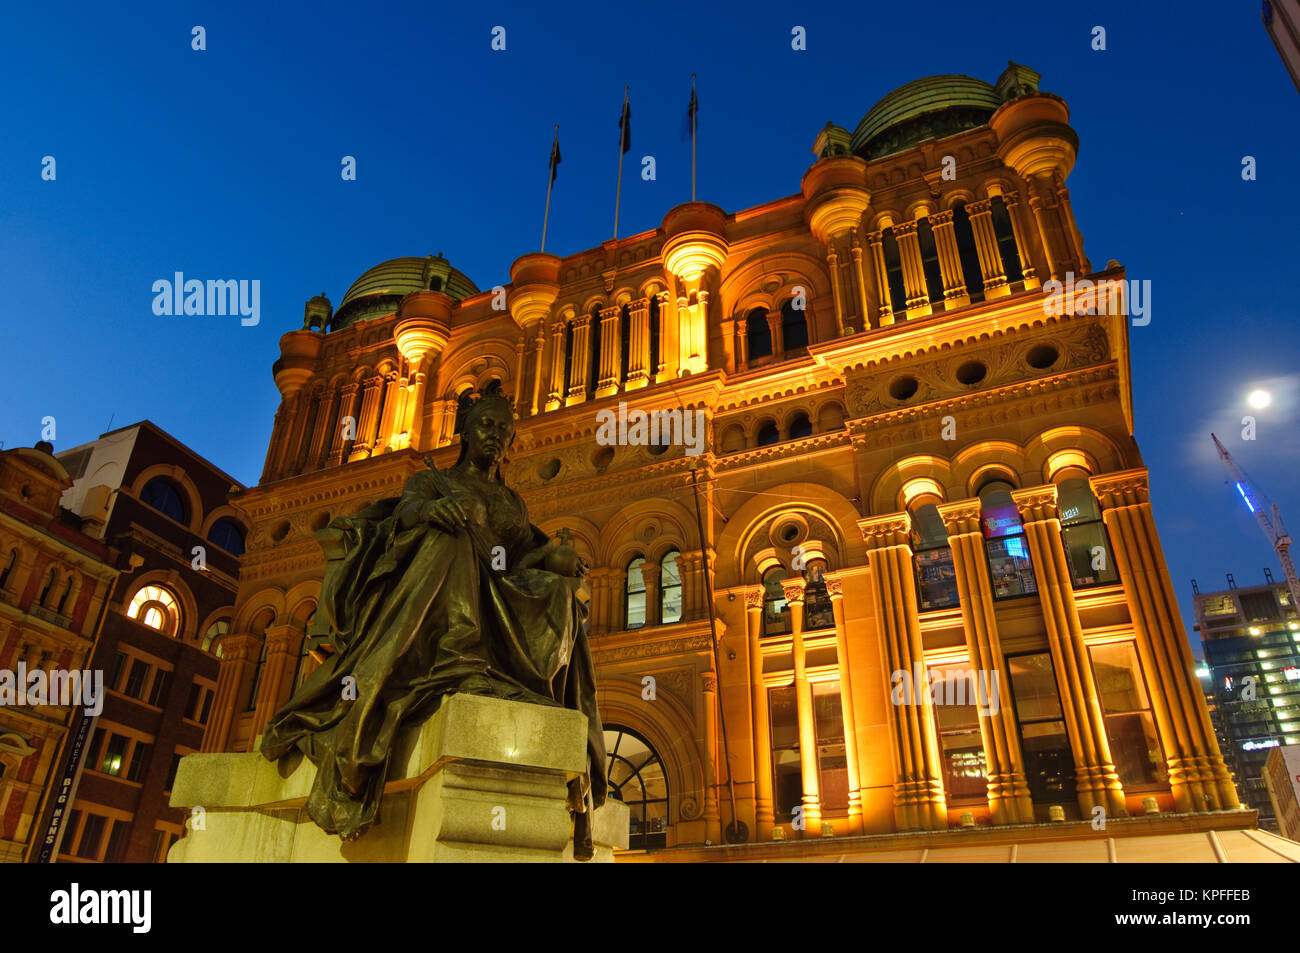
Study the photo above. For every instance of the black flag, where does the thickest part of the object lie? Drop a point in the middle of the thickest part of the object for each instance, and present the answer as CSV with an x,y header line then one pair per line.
x,y
555,155
625,123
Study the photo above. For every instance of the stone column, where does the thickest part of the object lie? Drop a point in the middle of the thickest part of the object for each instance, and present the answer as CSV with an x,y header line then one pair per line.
x,y
1008,790
556,389
1015,212
835,589
599,581
580,366
1197,775
367,419
728,328
712,818
668,334
919,801
812,810
954,283
388,418
283,643
882,278
638,351
833,267
1073,237
326,410
909,253
698,360
539,345
764,819
650,574
1097,780
607,375
860,277
1054,268
520,346
682,307
615,600
239,652
986,245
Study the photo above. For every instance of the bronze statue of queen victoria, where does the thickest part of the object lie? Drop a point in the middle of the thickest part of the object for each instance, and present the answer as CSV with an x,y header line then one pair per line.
x,y
448,588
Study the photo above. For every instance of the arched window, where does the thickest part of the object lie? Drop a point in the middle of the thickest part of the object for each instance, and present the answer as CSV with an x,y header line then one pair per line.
x,y
568,361
758,334
163,496
654,336
818,612
670,588
215,631
1010,569
767,434
1006,240
800,426
8,569
636,777
794,328
593,352
936,578
967,254
257,676
776,611
301,669
930,261
45,590
229,535
635,594
1087,544
894,273
63,599
463,403
624,342
157,608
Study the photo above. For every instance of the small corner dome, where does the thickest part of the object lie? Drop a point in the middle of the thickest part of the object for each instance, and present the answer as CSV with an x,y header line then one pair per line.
x,y
379,290
927,108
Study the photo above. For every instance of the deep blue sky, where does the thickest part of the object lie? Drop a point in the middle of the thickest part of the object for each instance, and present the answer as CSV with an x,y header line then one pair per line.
x,y
225,164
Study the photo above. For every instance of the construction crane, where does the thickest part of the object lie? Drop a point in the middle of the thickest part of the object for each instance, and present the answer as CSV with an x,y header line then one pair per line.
x,y
1269,518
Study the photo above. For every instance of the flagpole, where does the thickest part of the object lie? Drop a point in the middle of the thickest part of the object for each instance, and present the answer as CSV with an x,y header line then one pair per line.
x,y
550,181
622,132
693,138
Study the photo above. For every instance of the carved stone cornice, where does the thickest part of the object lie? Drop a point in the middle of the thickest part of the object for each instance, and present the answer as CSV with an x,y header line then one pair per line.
x,y
1122,488
1037,503
961,516
667,648
892,529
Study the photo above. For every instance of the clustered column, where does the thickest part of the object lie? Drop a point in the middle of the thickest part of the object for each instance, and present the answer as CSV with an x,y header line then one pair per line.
x,y
882,277
239,652
1008,790
986,246
919,801
909,253
954,284
1098,782
1198,777
764,818
283,643
812,811
835,590
610,353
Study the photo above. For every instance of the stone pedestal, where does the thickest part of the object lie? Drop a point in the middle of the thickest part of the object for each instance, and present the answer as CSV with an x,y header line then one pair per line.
x,y
483,780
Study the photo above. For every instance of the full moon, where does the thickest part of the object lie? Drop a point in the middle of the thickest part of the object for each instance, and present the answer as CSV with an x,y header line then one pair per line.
x,y
1259,399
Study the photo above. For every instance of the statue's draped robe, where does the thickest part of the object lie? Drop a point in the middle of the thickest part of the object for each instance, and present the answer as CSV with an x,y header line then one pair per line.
x,y
412,613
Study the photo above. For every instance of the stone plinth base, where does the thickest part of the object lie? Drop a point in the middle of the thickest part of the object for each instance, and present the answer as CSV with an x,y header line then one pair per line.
x,y
482,780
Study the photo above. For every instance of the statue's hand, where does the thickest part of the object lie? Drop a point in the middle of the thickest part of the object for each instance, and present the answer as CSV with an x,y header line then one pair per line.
x,y
446,514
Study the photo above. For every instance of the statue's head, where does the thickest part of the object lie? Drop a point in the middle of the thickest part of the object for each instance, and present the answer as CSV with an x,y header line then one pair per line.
x,y
489,427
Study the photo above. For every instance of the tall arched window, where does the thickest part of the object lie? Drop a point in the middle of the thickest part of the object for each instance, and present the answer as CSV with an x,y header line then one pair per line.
x,y
593,353
967,253
624,342
229,535
8,569
1087,544
776,611
1006,240
758,334
794,328
215,631
936,577
654,335
767,434
800,426
670,588
568,361
818,613
1010,569
930,261
894,273
635,616
163,496
47,588
157,608
636,777
63,598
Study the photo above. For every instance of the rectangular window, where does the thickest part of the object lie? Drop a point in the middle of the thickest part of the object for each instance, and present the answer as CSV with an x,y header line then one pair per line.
x,y
936,580
960,745
1010,570
115,853
1088,552
171,772
1218,605
158,693
119,666
91,835
139,761
207,706
135,681
832,757
1130,726
1049,763
114,756
787,788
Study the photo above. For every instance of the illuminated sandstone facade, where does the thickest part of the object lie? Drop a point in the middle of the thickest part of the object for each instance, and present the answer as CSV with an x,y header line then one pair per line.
x,y
912,468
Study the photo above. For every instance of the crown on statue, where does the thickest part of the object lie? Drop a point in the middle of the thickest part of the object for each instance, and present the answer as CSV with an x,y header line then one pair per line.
x,y
490,395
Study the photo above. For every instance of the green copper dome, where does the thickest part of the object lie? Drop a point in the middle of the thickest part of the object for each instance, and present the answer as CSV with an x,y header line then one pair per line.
x,y
378,291
928,108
